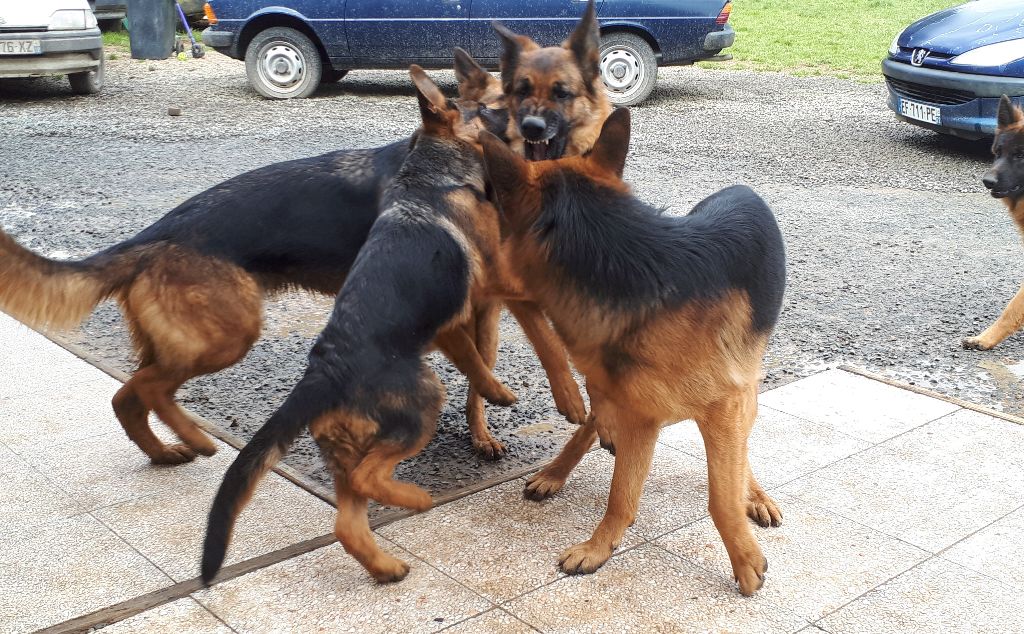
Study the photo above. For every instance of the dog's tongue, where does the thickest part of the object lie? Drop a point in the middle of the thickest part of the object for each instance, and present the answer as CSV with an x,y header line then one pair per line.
x,y
536,151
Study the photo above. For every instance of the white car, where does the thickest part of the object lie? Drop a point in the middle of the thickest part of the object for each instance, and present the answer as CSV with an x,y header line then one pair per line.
x,y
51,37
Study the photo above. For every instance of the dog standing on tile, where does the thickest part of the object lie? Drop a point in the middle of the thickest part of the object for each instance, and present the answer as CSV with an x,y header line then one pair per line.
x,y
667,317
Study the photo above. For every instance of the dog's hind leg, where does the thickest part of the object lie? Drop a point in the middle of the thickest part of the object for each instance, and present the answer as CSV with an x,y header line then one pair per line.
x,y
457,345
552,477
634,439
725,427
485,332
155,386
352,529
1009,322
133,415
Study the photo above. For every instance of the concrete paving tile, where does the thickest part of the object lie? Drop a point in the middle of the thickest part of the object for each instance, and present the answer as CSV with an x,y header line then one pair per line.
x,y
996,550
183,615
497,620
936,597
648,590
31,363
328,591
675,492
855,405
168,527
110,469
496,542
782,447
66,569
932,486
818,561
71,412
28,499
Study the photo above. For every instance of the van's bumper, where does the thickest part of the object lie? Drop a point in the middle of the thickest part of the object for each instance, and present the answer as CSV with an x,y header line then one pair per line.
x,y
61,52
967,102
220,41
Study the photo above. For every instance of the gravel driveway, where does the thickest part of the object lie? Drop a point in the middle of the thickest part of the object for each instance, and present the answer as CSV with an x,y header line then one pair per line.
x,y
894,251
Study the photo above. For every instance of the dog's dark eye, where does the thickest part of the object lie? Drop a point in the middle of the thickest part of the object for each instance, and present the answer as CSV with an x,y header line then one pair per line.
x,y
523,90
559,92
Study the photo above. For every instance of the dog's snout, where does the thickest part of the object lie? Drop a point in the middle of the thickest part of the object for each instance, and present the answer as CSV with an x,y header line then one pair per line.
x,y
989,180
533,127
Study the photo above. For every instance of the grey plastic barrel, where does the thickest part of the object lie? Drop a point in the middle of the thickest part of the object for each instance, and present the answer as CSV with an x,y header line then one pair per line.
x,y
151,28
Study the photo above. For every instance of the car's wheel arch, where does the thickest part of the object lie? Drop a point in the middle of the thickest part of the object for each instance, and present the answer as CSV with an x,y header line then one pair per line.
x,y
608,28
279,17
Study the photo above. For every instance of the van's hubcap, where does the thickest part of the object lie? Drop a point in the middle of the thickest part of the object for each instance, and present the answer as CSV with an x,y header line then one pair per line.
x,y
621,70
281,65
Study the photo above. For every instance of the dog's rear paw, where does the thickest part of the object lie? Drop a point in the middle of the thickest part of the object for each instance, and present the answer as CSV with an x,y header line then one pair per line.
x,y
584,558
489,448
387,569
174,454
763,510
976,343
541,486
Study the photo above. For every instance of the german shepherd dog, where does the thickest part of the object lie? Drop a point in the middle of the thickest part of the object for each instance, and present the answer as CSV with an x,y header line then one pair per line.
x,y
1005,180
431,259
555,97
666,317
191,285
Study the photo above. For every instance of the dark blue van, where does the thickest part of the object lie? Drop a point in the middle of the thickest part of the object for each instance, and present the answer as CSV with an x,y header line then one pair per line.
x,y
947,71
290,46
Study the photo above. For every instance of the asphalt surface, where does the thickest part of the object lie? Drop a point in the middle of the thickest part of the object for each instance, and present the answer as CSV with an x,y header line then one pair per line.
x,y
895,253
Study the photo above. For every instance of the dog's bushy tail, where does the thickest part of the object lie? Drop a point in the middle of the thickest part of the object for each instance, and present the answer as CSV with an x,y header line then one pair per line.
x,y
310,399
47,293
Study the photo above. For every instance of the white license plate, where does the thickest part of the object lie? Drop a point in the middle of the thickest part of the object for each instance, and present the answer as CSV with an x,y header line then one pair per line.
x,y
20,47
921,112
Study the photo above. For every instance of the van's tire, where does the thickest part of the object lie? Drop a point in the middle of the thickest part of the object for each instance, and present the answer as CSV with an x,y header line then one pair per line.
x,y
628,67
330,75
282,63
89,82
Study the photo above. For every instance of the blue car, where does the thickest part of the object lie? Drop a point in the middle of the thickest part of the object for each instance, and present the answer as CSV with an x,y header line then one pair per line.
x,y
947,71
290,46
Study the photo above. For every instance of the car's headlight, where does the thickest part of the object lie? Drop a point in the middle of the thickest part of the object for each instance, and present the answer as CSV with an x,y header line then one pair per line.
x,y
894,48
68,19
992,55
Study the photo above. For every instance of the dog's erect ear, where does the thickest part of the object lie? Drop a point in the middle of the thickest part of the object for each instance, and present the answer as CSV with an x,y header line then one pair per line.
x,y
514,46
434,107
507,172
471,76
1009,114
610,149
585,45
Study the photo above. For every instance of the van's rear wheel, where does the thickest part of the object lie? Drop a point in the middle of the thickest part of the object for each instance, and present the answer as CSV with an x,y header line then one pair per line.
x,y
282,63
628,67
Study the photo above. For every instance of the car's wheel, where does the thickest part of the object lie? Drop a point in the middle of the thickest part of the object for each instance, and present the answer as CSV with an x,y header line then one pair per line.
x,y
283,63
332,75
628,68
89,82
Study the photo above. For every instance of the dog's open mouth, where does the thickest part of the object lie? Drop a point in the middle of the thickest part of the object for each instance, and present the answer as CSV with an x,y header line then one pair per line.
x,y
546,150
1007,193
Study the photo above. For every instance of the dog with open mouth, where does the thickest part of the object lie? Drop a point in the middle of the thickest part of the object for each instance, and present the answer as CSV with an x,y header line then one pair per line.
x,y
555,96
1005,181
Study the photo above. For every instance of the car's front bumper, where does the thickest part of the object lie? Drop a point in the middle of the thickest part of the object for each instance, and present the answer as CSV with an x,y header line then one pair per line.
x,y
967,102
62,52
220,41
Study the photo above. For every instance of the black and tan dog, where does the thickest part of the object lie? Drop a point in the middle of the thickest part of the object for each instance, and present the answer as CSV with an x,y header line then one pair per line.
x,y
433,257
555,97
1005,180
191,285
666,317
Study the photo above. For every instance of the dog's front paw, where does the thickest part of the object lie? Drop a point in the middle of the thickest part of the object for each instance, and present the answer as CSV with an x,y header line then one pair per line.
x,y
977,343
570,404
387,569
763,510
584,558
498,394
542,486
489,447
174,454
749,576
